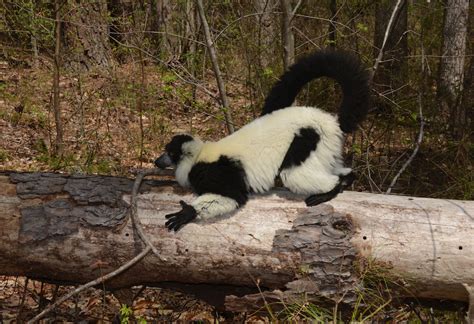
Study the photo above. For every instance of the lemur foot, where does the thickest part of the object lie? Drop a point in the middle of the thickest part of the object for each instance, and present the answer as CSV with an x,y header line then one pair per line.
x,y
181,218
314,200
347,180
344,182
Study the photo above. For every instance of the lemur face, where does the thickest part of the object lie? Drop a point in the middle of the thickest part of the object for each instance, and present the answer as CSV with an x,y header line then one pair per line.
x,y
173,151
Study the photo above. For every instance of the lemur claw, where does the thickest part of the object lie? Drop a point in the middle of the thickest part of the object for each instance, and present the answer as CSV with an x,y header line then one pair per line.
x,y
181,218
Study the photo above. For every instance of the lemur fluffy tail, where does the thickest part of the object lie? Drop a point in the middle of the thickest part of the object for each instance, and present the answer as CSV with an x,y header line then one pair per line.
x,y
344,67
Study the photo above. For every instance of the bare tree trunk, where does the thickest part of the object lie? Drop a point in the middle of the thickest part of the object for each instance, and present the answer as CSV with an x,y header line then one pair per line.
x,y
287,34
451,71
465,108
73,229
266,31
192,33
59,142
215,65
190,28
172,44
87,35
140,99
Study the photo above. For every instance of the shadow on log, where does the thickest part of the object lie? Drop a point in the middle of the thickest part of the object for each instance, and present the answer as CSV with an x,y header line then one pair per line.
x,y
71,229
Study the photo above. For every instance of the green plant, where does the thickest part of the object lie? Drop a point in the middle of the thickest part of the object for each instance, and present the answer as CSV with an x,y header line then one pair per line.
x,y
125,314
169,78
3,155
307,311
103,167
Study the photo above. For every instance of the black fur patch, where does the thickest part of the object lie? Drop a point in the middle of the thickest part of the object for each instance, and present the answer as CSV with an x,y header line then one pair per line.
x,y
300,148
173,148
224,177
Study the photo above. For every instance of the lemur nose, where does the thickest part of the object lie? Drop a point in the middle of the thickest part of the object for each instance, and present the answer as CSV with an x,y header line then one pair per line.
x,y
163,161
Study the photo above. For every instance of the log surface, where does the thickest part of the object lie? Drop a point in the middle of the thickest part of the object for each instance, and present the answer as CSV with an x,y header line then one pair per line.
x,y
72,229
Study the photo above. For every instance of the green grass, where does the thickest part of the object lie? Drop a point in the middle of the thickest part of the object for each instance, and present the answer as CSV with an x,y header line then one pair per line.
x,y
379,298
4,156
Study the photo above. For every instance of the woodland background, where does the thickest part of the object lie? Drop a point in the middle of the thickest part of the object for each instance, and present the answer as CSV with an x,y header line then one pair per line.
x,y
100,86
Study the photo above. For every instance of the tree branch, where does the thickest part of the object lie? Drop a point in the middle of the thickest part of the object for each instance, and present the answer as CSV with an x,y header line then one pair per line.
x,y
215,65
415,151
397,7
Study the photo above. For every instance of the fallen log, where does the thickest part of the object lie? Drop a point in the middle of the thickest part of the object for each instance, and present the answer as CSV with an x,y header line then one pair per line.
x,y
71,229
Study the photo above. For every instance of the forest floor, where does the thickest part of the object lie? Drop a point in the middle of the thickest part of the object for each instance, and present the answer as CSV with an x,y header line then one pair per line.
x,y
101,121
114,123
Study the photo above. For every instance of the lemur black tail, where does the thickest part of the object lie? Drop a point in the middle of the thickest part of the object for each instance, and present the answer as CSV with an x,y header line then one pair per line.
x,y
344,67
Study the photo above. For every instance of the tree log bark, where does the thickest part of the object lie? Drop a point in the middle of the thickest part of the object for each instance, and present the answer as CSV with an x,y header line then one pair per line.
x,y
72,229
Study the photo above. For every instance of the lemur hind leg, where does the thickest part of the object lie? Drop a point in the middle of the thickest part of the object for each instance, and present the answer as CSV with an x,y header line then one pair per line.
x,y
345,181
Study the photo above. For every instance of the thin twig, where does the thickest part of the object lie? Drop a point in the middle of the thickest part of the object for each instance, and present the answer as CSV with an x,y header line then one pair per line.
x,y
397,7
215,66
295,9
133,209
415,151
149,247
91,284
59,143
367,160
420,133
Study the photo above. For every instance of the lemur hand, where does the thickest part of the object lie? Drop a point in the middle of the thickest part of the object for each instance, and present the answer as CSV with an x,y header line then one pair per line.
x,y
181,218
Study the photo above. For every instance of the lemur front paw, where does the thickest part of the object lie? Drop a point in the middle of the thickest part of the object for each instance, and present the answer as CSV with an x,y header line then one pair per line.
x,y
181,218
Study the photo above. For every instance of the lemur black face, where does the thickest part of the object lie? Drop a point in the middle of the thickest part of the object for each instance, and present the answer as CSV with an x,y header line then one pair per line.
x,y
173,151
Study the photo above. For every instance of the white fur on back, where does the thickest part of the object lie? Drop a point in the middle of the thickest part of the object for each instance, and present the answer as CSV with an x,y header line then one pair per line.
x,y
262,144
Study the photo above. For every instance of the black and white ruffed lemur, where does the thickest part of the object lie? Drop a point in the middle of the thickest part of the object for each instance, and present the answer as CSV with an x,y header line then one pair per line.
x,y
301,145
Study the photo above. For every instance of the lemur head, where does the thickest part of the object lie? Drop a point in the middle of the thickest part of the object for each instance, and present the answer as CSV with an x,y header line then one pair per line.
x,y
180,147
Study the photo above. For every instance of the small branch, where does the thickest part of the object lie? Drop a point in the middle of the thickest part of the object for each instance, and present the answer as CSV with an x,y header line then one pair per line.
x,y
415,151
91,284
332,25
149,247
397,7
140,105
59,145
215,66
295,9
133,210
369,174
420,133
